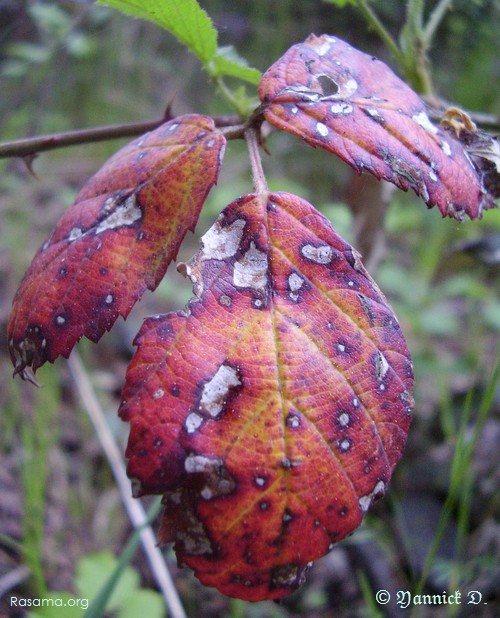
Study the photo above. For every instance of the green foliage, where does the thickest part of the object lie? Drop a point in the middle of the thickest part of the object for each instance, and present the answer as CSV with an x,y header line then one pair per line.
x,y
37,438
191,25
185,19
126,600
341,3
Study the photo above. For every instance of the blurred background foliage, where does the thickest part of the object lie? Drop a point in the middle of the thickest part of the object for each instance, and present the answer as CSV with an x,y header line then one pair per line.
x,y
71,64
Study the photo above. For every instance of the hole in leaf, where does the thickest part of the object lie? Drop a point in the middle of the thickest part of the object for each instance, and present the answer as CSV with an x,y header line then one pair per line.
x,y
328,86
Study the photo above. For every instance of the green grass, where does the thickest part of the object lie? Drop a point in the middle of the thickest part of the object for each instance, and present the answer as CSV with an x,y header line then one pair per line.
x,y
38,435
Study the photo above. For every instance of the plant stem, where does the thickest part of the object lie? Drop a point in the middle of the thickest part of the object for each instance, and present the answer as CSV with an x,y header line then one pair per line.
x,y
31,146
373,21
134,508
258,176
435,19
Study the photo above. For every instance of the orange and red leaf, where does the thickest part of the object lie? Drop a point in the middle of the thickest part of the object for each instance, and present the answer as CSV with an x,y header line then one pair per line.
x,y
116,240
273,409
336,97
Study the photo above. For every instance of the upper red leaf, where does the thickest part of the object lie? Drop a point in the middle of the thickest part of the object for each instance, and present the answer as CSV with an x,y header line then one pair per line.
x,y
333,96
272,410
116,240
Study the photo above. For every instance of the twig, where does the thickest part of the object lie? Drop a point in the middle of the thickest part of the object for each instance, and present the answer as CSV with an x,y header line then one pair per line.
x,y
259,178
13,578
31,146
134,508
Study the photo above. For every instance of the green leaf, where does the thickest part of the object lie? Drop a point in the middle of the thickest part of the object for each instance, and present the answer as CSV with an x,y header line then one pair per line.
x,y
185,19
341,3
143,603
228,62
94,569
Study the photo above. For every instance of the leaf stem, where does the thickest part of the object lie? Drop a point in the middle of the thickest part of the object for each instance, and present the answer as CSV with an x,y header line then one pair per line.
x,y
373,21
258,176
435,19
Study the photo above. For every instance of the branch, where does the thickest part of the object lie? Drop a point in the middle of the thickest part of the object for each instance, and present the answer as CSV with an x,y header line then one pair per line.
x,y
31,146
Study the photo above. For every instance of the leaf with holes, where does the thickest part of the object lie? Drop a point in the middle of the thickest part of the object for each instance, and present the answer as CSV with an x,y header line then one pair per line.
x,y
273,409
336,97
116,240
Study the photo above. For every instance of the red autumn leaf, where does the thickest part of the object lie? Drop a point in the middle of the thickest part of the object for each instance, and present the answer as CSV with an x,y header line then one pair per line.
x,y
273,409
333,96
116,240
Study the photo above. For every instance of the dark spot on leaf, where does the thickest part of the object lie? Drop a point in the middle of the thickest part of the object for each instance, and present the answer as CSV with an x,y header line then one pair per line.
x,y
63,271
308,64
293,421
287,516
328,85
288,575
175,390
263,505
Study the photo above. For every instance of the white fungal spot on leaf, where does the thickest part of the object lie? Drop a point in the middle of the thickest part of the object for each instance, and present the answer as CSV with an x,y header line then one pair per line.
x,y
200,463
192,422
295,282
320,255
75,233
423,120
250,271
341,108
381,365
215,392
375,114
323,48
445,147
158,394
344,419
124,214
222,242
322,129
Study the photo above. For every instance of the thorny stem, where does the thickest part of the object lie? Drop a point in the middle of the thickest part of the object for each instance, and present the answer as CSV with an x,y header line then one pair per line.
x,y
31,146
259,178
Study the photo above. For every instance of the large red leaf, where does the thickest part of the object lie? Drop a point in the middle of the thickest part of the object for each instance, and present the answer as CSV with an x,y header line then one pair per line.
x,y
333,96
272,410
116,240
